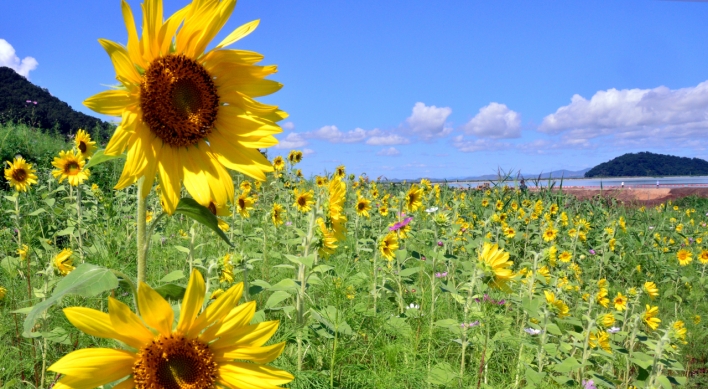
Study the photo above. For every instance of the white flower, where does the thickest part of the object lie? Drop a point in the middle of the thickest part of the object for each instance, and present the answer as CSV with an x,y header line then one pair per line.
x,y
413,306
532,331
433,209
613,330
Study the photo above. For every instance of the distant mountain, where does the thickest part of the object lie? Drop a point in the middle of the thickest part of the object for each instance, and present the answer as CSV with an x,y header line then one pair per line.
x,y
649,164
556,174
49,113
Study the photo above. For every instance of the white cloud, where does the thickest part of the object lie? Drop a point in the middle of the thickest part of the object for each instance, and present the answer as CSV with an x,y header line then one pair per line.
x,y
429,121
662,112
333,135
308,152
389,152
292,141
387,140
471,146
494,121
11,60
288,126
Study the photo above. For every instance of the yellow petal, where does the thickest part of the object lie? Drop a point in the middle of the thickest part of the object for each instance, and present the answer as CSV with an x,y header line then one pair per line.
x,y
220,15
151,168
260,355
192,302
239,33
134,48
170,178
167,32
110,102
122,134
155,310
233,121
95,365
234,56
128,324
152,21
98,324
250,376
127,384
239,316
125,70
194,175
247,161
216,310
252,335
256,88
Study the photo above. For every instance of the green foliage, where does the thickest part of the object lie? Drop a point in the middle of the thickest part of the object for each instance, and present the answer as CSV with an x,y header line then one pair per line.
x,y
646,164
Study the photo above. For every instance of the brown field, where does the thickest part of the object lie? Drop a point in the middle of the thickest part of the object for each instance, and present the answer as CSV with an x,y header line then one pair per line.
x,y
641,196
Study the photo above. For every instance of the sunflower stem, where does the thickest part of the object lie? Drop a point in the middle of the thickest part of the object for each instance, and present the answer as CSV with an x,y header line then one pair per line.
x,y
141,221
78,218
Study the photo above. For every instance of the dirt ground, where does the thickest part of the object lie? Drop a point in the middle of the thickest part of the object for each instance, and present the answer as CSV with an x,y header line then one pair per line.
x,y
641,196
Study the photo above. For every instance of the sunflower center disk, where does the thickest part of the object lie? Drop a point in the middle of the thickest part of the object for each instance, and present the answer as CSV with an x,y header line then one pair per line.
x,y
179,100
175,363
19,175
82,147
71,168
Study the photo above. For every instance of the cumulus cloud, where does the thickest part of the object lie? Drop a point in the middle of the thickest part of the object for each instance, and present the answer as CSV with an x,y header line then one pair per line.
x,y
494,121
470,146
11,60
292,141
387,140
334,135
631,113
308,152
288,126
389,152
429,121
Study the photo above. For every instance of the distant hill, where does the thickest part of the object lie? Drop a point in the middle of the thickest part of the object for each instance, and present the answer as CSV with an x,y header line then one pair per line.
x,y
649,164
49,113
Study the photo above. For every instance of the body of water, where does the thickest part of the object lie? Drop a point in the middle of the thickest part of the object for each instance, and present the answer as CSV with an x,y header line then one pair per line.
x,y
629,182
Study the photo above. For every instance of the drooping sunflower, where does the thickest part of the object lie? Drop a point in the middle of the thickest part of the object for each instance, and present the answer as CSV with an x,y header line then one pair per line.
x,y
497,265
70,166
303,200
20,174
556,305
244,203
649,317
227,269
84,144
340,172
414,198
278,163
328,242
651,289
337,198
607,320
245,186
600,339
276,214
684,257
388,246
294,157
63,262
363,206
201,351
187,113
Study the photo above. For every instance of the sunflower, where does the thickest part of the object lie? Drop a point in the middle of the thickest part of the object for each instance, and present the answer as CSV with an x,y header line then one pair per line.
x,y
188,114
703,258
684,257
70,166
3,293
414,198
383,210
620,302
388,246
220,210
337,197
245,186
320,181
565,256
600,339
20,174
340,172
607,320
328,242
556,305
303,200
63,262
295,157
298,173
679,330
244,203
650,318
276,214
22,252
509,232
363,206
550,234
200,352
278,163
227,269
497,264
84,144
651,289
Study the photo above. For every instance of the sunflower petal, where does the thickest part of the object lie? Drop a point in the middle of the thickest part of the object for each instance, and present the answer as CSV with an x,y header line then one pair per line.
x,y
217,310
155,310
126,323
239,33
194,176
127,384
134,48
152,21
170,178
260,355
95,365
252,376
251,335
125,70
219,18
245,57
255,88
110,102
98,324
239,316
192,302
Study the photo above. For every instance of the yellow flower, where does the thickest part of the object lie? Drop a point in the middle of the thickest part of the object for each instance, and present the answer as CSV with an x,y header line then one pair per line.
x,y
278,163
63,262
84,144
3,293
679,330
227,269
607,320
337,198
320,181
328,241
414,198
601,297
684,257
199,352
22,252
187,113
219,210
679,228
295,157
95,188
600,339
276,214
303,200
183,234
565,256
363,206
612,243
651,289
244,204
620,302
70,166
485,202
497,264
148,216
556,305
650,318
20,174
388,246
696,319
245,186
383,210
509,232
340,172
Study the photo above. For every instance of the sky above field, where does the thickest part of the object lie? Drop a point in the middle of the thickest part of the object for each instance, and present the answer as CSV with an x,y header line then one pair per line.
x,y
442,89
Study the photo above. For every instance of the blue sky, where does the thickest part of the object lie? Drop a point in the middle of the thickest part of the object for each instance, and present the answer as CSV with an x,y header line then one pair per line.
x,y
408,89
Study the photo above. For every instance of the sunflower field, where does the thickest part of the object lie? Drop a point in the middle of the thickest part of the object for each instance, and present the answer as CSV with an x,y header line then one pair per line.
x,y
196,262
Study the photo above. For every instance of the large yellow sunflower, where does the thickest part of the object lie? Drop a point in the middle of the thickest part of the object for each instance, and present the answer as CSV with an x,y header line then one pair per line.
x,y
337,198
304,200
278,163
199,352
497,264
84,144
63,262
188,114
388,246
276,214
20,174
363,206
328,242
70,166
414,198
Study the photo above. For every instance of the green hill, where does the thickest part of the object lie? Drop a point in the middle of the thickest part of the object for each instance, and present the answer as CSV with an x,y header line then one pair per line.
x,y
649,164
48,113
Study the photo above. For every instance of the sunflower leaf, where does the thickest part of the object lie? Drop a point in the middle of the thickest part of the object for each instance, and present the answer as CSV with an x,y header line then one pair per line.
x,y
192,209
86,280
99,157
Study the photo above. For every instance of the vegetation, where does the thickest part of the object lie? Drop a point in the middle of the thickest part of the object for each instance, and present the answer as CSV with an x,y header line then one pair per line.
x,y
412,296
23,102
646,164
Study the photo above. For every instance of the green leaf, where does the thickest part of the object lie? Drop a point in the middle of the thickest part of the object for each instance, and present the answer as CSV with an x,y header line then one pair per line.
x,y
190,208
534,376
171,291
99,157
86,280
57,335
568,365
174,276
276,298
322,269
553,329
398,326
37,212
333,319
409,271
442,374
